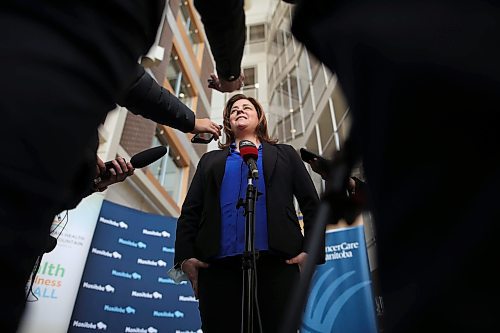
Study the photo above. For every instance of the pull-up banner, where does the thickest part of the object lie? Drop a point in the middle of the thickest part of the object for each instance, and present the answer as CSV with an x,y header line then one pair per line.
x,y
125,287
341,297
56,283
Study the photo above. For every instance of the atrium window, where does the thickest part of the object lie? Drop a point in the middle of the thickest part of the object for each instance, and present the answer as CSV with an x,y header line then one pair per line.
x,y
250,78
167,170
178,80
257,33
192,30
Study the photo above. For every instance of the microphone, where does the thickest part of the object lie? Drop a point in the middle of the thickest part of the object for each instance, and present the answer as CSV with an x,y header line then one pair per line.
x,y
148,156
250,154
139,160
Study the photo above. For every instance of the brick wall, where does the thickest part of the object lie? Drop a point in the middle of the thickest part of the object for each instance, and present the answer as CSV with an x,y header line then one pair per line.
x,y
160,71
137,133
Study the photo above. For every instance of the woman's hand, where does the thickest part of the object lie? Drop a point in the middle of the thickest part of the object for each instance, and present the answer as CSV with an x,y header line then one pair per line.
x,y
191,267
299,260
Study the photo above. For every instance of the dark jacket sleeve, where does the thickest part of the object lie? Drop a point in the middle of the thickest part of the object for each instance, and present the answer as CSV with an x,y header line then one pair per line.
x,y
224,23
190,218
83,184
307,197
147,98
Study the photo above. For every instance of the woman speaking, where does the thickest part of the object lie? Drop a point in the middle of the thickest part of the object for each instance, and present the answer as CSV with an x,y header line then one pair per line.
x,y
210,239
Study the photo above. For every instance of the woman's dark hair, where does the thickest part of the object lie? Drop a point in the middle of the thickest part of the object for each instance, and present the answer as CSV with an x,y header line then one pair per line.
x,y
260,131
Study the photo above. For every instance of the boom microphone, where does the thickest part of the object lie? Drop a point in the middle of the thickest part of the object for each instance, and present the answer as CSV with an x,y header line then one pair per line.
x,y
139,160
250,154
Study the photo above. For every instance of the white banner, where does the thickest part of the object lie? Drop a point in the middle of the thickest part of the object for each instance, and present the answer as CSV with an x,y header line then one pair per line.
x,y
58,278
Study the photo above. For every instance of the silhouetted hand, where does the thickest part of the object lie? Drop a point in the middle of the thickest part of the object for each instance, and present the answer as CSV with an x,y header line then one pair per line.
x,y
224,86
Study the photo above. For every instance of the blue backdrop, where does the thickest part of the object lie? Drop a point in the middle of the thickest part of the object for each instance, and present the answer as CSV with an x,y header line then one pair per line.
x,y
125,287
341,297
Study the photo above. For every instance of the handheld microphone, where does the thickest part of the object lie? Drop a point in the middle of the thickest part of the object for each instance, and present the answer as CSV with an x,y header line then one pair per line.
x,y
148,156
250,154
139,160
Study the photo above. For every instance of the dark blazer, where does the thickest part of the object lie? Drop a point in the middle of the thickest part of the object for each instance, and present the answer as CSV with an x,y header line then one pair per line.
x,y
198,227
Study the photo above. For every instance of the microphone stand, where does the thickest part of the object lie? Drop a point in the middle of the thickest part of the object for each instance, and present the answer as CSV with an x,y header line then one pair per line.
x,y
332,206
249,258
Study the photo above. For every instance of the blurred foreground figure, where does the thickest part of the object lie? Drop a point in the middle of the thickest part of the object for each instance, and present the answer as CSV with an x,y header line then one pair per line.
x,y
64,67
423,82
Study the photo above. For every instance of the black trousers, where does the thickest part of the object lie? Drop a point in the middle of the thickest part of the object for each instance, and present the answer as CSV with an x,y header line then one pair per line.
x,y
63,67
220,289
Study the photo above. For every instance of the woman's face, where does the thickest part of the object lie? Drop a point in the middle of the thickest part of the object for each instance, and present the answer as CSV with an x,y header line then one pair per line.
x,y
243,117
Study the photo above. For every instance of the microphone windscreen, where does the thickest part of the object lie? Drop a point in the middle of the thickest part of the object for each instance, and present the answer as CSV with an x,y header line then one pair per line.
x,y
248,150
148,156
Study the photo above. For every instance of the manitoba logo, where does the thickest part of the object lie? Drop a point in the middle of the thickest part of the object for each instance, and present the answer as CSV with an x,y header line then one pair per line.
x,y
169,281
104,253
148,262
98,326
126,275
168,249
168,314
119,309
101,326
107,288
143,294
150,329
127,242
162,233
114,223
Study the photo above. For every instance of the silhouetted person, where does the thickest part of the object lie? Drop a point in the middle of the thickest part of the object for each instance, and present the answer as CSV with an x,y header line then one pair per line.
x,y
422,79
64,67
